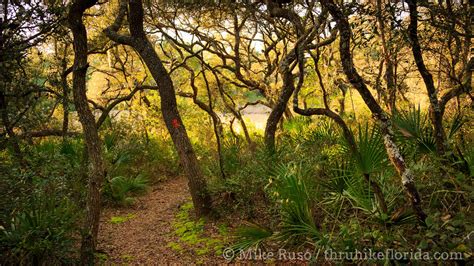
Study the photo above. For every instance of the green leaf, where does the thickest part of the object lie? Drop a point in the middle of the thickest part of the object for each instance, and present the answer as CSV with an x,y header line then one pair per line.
x,y
429,221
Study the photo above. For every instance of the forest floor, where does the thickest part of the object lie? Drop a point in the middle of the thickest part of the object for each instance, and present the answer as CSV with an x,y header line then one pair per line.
x,y
141,233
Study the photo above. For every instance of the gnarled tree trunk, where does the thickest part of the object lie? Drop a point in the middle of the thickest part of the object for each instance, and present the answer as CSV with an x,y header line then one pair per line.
x,y
355,79
91,136
280,107
275,116
140,43
436,113
437,106
388,57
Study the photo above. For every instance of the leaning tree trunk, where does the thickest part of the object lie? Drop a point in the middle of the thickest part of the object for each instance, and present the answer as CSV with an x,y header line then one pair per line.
x,y
436,113
275,10
197,184
388,57
355,79
437,106
65,87
91,136
275,116
208,108
140,43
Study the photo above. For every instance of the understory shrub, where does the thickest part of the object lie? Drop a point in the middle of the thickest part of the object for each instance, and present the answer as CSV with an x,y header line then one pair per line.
x,y
40,233
121,190
319,194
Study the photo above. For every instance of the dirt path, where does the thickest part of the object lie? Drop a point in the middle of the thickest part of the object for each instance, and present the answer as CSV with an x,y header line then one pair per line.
x,y
143,237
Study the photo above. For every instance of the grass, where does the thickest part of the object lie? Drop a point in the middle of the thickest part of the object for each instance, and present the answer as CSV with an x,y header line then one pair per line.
x,y
191,234
121,219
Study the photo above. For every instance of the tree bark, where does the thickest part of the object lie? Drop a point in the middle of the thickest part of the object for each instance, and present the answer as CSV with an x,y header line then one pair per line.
x,y
229,103
91,136
387,53
280,106
208,108
217,125
140,43
275,116
436,113
437,106
65,87
326,111
355,79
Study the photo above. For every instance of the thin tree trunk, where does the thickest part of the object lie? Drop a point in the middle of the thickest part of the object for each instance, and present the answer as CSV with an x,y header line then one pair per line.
x,y
288,113
389,65
437,106
65,86
208,108
232,108
326,111
217,126
435,109
91,136
355,79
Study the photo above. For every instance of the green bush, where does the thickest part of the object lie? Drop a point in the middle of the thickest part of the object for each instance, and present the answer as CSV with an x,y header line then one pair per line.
x,y
289,189
41,233
251,236
129,154
414,131
297,216
121,189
